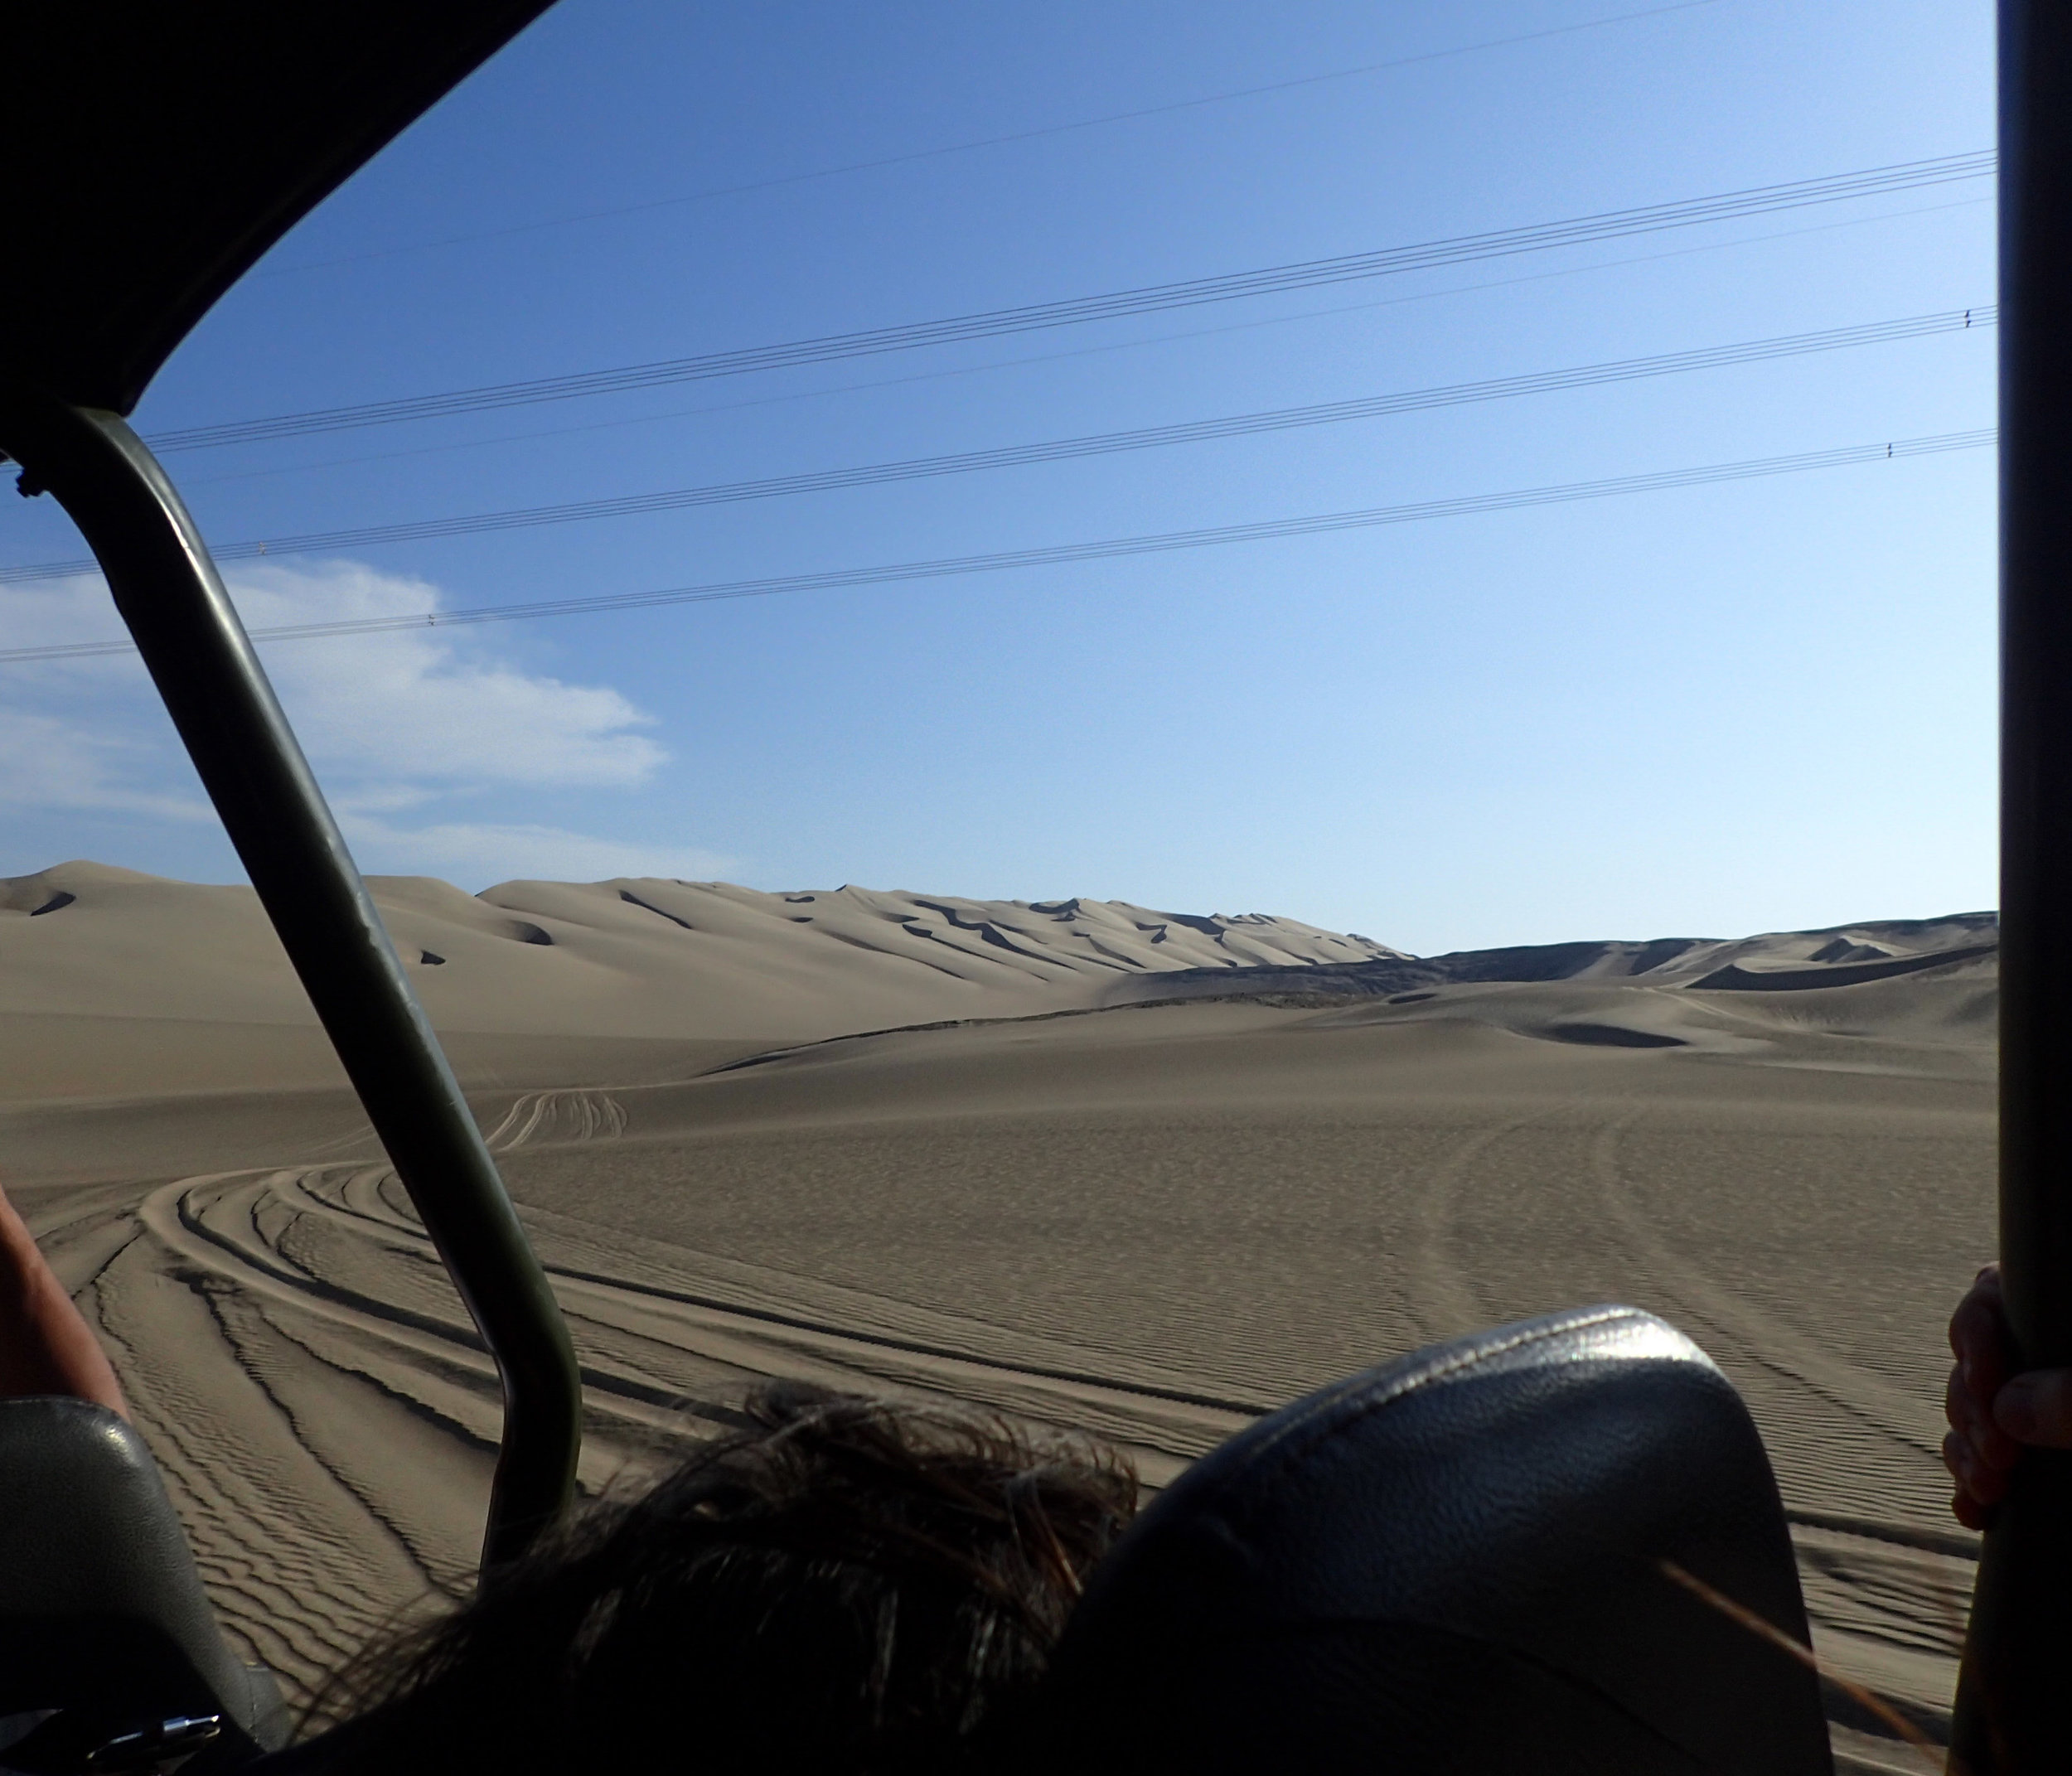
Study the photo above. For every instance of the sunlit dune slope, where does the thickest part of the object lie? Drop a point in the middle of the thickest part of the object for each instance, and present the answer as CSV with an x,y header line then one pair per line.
x,y
623,958
113,983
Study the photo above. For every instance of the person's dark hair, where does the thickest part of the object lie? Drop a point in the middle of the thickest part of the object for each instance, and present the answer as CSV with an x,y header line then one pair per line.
x,y
846,1586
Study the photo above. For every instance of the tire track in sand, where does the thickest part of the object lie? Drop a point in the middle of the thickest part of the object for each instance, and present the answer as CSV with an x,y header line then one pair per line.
x,y
1859,1393
1442,1299
320,1403
305,1558
1886,1604
298,1572
566,1116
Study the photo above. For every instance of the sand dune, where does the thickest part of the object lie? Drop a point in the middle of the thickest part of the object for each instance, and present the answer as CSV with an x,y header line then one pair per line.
x,y
1155,1220
1775,961
111,980
625,959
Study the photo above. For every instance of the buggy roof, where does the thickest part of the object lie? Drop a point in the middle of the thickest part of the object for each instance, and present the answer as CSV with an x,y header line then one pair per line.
x,y
159,148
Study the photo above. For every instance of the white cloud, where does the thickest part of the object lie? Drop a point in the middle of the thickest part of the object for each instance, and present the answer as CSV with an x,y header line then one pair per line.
x,y
424,705
48,613
59,613
395,723
47,762
428,706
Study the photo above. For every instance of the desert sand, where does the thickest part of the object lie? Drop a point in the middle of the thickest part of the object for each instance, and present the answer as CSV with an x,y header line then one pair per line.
x,y
1100,1166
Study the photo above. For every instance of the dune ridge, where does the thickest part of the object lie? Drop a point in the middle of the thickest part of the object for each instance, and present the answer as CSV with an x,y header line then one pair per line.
x,y
635,958
686,961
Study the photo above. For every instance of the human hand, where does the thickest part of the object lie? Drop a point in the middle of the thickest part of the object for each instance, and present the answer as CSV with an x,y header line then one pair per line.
x,y
1993,1411
46,1347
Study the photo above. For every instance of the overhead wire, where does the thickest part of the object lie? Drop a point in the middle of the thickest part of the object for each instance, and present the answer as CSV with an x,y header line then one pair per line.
x,y
1076,311
1109,548
504,439
1104,443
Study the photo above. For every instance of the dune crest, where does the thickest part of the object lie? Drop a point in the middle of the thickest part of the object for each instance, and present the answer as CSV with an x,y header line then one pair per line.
x,y
112,981
630,958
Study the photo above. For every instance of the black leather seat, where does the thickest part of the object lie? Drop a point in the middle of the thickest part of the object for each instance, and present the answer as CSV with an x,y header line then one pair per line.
x,y
102,1615
1455,1565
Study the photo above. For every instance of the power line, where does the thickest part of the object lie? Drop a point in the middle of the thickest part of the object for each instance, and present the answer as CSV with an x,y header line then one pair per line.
x,y
1111,549
983,142
1076,311
1104,443
506,438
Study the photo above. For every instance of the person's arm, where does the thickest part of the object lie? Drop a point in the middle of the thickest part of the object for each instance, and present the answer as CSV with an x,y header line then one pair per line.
x,y
46,1346
1992,1412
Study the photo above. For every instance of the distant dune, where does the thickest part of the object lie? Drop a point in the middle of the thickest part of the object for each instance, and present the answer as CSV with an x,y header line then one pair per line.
x,y
630,959
1143,1173
86,943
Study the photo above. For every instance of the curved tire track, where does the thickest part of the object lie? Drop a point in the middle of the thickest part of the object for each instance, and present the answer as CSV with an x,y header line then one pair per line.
x,y
562,1117
317,1396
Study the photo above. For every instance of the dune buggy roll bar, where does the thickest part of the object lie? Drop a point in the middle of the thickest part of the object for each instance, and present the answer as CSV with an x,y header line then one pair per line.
x,y
199,655
2010,1706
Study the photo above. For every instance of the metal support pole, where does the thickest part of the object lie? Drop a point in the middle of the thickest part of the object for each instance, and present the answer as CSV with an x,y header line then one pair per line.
x,y
197,652
2011,1714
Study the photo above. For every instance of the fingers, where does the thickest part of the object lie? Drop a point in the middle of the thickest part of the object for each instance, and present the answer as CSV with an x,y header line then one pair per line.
x,y
1978,1335
1979,1450
2033,1409
1981,1482
1973,1515
1981,1445
1972,1422
1988,1407
2036,1408
1978,1481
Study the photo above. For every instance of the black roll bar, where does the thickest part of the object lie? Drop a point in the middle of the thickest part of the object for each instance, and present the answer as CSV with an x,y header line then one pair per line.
x,y
2011,1714
169,594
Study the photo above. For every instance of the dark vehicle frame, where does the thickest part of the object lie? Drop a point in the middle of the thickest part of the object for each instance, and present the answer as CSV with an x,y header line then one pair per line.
x,y
159,151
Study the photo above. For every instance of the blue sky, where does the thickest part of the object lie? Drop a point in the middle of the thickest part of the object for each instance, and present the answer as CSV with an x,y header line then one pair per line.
x,y
1758,705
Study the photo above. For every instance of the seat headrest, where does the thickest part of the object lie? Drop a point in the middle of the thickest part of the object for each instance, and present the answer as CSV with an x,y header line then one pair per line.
x,y
101,1609
1458,1562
